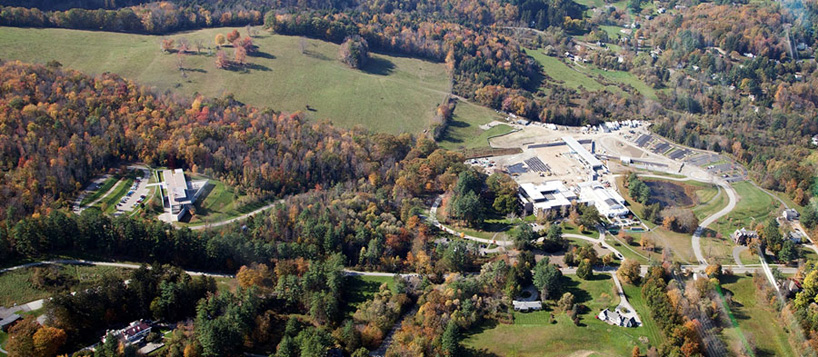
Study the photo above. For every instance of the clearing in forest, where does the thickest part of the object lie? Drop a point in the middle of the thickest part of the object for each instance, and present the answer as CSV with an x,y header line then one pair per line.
x,y
390,94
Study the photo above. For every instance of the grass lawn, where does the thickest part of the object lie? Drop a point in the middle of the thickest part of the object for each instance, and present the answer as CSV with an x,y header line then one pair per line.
x,y
391,94
710,202
91,197
3,337
17,287
464,131
532,334
217,203
568,227
753,207
622,77
359,289
614,32
633,251
756,322
108,204
720,249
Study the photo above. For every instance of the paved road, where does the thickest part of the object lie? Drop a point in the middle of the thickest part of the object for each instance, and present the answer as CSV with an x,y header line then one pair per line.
x,y
737,254
109,264
731,204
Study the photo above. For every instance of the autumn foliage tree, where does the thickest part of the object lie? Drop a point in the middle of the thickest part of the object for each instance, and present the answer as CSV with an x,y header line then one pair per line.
x,y
28,338
220,40
167,45
233,36
354,52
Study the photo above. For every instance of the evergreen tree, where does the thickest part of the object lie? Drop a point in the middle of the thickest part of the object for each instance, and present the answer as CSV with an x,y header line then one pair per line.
x,y
585,270
450,341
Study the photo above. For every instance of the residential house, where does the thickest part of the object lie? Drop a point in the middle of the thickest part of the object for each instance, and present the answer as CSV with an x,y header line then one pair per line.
x,y
743,236
133,334
790,214
617,319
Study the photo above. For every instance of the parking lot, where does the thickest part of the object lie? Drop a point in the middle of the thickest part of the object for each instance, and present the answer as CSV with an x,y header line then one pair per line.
x,y
137,193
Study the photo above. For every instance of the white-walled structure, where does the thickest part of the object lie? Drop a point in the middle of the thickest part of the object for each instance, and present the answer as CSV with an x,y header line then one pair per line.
x,y
181,193
545,197
607,201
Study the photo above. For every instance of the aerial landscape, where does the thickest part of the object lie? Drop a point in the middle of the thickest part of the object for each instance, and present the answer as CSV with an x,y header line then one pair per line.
x,y
475,178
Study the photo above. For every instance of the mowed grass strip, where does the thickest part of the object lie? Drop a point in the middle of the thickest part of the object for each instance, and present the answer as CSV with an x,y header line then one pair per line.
x,y
91,197
18,288
108,204
532,334
391,94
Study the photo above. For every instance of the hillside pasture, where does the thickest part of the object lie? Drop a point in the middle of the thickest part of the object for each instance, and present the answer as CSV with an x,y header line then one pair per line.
x,y
390,94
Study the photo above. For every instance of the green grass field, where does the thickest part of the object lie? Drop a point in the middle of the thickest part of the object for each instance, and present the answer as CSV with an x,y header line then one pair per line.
x,y
392,94
755,206
3,337
218,203
564,75
756,323
464,131
91,197
360,289
532,334
586,75
108,204
17,287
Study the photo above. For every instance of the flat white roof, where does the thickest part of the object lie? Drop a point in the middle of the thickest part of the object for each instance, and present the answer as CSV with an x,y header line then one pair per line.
x,y
176,185
589,158
547,195
607,201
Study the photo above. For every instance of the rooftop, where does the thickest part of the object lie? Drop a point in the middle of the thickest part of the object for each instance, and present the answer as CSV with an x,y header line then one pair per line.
x,y
586,156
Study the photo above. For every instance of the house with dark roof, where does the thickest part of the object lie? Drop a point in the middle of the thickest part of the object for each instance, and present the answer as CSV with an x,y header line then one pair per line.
x,y
742,236
617,319
7,321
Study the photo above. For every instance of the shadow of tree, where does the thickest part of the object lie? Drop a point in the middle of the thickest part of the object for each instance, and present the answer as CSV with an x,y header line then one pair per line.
x,y
260,54
317,55
379,66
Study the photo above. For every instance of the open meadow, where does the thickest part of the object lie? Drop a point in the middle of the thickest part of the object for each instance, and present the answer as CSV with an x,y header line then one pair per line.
x,y
753,322
391,94
20,288
532,334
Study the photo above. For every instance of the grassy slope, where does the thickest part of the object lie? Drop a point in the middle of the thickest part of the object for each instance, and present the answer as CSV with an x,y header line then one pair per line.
x,y
585,75
91,197
754,207
397,94
533,335
18,289
756,322
560,72
121,189
464,131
